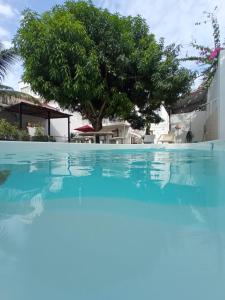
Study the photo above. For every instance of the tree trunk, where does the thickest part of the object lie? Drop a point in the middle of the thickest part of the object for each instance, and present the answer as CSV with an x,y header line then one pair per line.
x,y
97,125
147,132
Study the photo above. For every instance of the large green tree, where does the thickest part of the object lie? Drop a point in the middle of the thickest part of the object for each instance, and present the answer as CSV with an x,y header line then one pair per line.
x,y
99,64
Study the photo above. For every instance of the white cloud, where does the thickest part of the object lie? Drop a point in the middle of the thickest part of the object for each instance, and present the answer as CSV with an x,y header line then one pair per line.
x,y
4,32
173,19
7,44
6,10
14,75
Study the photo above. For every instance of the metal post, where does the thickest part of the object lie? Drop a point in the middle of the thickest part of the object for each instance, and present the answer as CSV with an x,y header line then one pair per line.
x,y
49,124
20,116
69,140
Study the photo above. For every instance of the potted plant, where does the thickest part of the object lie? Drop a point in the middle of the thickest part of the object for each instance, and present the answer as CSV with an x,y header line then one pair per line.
x,y
189,136
33,128
23,135
40,134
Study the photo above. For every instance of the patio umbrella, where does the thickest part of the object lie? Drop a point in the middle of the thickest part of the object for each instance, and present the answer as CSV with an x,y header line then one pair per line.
x,y
85,128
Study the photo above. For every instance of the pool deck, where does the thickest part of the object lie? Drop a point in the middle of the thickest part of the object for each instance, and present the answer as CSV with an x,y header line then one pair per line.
x,y
11,146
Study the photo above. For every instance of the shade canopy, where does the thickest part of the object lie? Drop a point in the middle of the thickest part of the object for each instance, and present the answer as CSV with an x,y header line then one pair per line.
x,y
40,110
85,128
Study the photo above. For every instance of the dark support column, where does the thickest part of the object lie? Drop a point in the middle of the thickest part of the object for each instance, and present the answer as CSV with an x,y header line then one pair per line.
x,y
69,130
49,124
20,116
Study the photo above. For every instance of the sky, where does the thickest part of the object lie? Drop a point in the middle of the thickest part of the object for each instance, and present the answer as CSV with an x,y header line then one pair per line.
x,y
172,19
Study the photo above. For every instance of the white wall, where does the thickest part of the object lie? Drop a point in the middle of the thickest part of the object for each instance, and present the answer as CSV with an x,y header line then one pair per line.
x,y
162,127
222,97
59,127
212,116
215,123
193,121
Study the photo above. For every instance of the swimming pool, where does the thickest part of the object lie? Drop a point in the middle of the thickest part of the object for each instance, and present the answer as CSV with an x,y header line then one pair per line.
x,y
113,224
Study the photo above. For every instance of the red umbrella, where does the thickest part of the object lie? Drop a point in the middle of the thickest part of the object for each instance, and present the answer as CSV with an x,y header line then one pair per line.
x,y
85,128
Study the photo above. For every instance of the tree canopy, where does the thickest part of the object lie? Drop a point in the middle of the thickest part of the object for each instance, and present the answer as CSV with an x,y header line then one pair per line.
x,y
99,63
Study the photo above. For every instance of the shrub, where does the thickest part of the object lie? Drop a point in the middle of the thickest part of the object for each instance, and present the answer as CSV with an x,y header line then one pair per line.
x,y
23,135
8,131
51,139
39,131
40,138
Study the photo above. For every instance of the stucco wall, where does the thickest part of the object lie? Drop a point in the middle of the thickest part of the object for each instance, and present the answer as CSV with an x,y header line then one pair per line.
x,y
193,121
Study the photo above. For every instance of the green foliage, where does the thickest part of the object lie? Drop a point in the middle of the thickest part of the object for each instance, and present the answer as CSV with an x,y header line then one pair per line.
x,y
39,131
7,130
99,64
23,135
51,139
7,57
40,134
11,132
40,138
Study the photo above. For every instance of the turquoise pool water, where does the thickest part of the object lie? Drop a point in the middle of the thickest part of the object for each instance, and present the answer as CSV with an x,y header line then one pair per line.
x,y
112,225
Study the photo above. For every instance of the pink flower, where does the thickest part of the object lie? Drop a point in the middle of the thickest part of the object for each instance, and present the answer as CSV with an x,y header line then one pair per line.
x,y
215,53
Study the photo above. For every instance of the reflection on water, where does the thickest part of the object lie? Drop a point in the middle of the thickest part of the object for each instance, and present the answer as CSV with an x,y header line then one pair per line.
x,y
111,221
176,178
4,174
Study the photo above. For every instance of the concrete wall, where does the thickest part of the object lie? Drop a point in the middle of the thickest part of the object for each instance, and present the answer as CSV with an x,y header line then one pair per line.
x,y
182,123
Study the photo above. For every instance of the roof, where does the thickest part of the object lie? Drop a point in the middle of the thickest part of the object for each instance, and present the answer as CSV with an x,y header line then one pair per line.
x,y
195,101
9,96
41,110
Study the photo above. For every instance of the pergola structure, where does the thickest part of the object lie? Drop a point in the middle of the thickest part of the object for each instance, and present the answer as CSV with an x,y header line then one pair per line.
x,y
38,110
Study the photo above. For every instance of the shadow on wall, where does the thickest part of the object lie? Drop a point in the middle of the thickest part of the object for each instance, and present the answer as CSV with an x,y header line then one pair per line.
x,y
211,127
193,121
